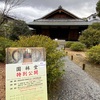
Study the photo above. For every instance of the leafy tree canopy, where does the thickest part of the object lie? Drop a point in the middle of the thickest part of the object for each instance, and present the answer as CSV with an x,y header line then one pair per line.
x,y
91,36
14,29
20,28
98,8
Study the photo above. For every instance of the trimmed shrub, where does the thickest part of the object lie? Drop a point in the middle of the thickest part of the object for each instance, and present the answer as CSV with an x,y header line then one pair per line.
x,y
4,43
77,46
68,44
91,36
53,56
93,54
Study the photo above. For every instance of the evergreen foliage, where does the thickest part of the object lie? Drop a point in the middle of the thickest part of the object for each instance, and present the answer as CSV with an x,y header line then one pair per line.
x,y
54,59
91,36
98,8
4,43
68,44
14,29
77,46
93,54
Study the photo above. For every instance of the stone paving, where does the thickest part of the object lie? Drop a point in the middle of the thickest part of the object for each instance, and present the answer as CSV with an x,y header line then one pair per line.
x,y
76,84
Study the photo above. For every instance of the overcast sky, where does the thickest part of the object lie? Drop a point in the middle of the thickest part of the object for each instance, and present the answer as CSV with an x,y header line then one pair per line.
x,y
34,9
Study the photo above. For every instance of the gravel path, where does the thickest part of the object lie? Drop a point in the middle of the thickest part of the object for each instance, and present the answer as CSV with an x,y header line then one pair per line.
x,y
77,84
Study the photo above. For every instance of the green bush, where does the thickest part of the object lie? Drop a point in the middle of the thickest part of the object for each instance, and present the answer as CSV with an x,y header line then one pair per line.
x,y
4,43
91,36
68,44
77,46
53,56
93,54
13,29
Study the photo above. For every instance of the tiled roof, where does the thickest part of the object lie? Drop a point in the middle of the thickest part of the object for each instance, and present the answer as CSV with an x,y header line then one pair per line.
x,y
63,22
60,9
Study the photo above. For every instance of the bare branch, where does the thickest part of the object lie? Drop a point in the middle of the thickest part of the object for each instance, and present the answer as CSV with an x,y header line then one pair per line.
x,y
8,6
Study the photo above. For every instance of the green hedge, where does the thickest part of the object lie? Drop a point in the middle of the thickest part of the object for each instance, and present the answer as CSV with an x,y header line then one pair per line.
x,y
93,54
91,36
68,44
4,43
53,57
77,46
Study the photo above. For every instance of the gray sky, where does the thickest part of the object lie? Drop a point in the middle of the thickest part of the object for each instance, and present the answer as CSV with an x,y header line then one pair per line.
x,y
34,9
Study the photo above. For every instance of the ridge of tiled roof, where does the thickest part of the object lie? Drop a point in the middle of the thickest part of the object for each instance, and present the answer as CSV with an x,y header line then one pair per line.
x,y
59,8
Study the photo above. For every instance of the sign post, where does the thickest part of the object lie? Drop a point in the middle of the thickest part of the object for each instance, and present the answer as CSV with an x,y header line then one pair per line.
x,y
26,77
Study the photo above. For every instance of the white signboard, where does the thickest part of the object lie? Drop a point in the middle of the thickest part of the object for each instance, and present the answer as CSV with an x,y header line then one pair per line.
x,y
26,74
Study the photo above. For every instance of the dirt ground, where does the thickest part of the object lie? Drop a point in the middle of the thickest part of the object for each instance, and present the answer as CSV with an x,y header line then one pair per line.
x,y
2,81
80,58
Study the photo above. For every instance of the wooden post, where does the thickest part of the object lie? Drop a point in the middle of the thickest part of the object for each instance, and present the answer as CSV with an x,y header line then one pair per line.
x,y
83,67
64,47
71,57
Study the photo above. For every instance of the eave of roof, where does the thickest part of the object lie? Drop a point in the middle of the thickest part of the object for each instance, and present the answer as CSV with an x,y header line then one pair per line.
x,y
60,22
